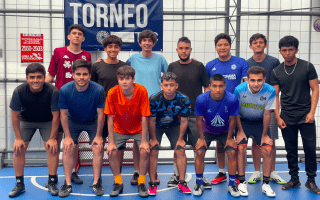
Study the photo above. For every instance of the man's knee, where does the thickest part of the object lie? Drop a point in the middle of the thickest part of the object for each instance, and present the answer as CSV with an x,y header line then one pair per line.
x,y
231,155
242,149
266,151
180,152
97,151
200,153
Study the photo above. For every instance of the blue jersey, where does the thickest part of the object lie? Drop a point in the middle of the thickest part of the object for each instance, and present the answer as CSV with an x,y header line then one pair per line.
x,y
251,105
216,113
232,70
168,112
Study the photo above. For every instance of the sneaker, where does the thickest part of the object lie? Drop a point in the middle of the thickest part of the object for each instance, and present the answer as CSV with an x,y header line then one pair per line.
x,y
143,192
221,177
52,188
174,181
152,189
65,190
134,180
91,183
157,179
19,189
233,191
274,176
183,187
255,177
117,189
293,183
198,190
98,189
243,189
75,178
312,186
267,190
206,184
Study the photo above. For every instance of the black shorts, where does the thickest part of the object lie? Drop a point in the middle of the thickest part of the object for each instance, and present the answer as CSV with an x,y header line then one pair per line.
x,y
192,132
77,127
171,133
105,131
222,138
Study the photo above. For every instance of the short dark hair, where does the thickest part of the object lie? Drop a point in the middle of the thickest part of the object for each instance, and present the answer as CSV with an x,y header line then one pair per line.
x,y
112,39
168,76
257,36
288,41
256,70
81,63
148,34
35,67
222,36
217,77
76,26
126,70
185,40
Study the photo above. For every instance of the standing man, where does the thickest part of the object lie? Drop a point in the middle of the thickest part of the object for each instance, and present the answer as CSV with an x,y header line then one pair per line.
x,y
167,107
35,106
233,69
148,67
60,67
191,77
216,112
256,101
128,109
81,106
294,78
258,43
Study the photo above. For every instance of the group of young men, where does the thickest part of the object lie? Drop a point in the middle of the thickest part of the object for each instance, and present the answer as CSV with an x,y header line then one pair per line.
x,y
132,100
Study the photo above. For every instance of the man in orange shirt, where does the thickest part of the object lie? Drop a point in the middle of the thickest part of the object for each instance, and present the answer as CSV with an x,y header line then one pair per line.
x,y
128,109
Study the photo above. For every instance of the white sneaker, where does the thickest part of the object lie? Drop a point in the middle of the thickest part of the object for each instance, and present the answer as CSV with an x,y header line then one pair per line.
x,y
267,190
206,184
255,177
274,176
198,190
243,189
233,191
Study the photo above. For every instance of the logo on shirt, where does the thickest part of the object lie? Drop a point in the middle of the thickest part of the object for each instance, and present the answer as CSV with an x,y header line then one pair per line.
x,y
230,76
209,111
178,108
169,108
233,67
83,57
166,120
67,64
253,106
263,98
66,57
244,96
217,121
214,69
68,75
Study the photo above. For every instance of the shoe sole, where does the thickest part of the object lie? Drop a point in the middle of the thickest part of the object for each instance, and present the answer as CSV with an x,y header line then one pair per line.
x,y
307,186
152,194
281,182
224,180
117,194
18,194
296,186
197,194
266,194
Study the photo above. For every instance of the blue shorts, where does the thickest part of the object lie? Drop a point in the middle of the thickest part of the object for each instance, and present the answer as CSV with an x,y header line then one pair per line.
x,y
76,128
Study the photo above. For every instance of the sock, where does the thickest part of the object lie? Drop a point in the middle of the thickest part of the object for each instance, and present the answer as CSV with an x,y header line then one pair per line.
x,y
222,170
199,178
141,179
242,178
20,179
73,170
118,179
231,179
136,172
53,179
175,169
266,179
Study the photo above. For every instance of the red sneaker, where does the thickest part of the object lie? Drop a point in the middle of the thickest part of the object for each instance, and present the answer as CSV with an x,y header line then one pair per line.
x,y
221,177
152,189
184,188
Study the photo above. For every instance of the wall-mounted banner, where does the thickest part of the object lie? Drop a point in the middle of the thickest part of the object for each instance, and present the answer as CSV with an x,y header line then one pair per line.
x,y
31,47
124,18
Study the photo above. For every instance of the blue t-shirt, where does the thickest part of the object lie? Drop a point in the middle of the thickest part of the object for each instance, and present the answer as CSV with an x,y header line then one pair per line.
x,y
216,113
233,70
148,71
82,106
167,111
251,105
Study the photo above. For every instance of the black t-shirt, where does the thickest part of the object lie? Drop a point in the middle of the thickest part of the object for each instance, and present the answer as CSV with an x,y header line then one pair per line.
x,y
106,74
191,78
35,107
294,86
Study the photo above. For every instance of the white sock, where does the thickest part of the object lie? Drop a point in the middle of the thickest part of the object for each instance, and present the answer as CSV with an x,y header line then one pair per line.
x,y
222,170
73,170
136,172
175,169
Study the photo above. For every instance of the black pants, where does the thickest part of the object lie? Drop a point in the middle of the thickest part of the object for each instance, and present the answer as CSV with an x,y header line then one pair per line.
x,y
308,135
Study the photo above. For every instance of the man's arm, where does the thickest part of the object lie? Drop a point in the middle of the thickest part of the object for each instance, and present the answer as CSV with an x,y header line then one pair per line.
x,y
201,141
18,143
314,99
266,122
152,130
111,145
232,125
183,127
52,142
144,143
281,123
98,140
240,134
68,142
49,78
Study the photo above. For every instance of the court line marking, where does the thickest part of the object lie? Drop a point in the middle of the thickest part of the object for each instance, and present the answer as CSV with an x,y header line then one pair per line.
x,y
35,183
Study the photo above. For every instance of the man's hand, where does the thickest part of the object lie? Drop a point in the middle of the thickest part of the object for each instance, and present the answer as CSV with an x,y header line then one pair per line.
x,y
98,140
200,143
240,136
144,145
231,143
281,123
18,145
68,143
52,145
310,118
153,142
181,143
111,147
267,140
99,60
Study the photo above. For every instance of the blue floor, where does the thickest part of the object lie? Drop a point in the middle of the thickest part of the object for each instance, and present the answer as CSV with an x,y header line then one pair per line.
x,y
35,178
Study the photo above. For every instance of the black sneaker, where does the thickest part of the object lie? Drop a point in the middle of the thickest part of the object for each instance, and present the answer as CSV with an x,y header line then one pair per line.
x,y
98,189
312,186
52,188
143,192
174,181
293,183
19,189
206,184
65,190
75,178
134,180
117,189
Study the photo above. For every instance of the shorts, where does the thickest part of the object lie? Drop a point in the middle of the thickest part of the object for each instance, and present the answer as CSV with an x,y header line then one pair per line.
x,y
105,131
273,127
120,140
171,133
192,132
76,128
28,129
254,130
222,138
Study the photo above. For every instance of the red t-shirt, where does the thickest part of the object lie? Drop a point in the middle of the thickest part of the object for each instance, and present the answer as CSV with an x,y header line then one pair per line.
x,y
128,113
61,62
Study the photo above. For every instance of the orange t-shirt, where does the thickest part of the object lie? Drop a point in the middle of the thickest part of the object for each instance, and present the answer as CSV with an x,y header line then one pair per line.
x,y
128,113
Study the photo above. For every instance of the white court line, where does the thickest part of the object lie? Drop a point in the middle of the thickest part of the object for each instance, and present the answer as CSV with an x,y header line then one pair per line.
x,y
34,182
